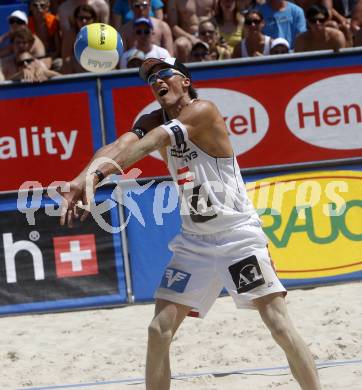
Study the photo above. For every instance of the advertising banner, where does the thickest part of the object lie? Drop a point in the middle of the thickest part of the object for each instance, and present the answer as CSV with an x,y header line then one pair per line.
x,y
272,119
312,221
46,267
47,135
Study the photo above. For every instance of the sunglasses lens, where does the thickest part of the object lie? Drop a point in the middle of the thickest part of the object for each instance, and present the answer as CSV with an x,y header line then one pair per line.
x,y
162,74
315,20
143,32
16,21
249,22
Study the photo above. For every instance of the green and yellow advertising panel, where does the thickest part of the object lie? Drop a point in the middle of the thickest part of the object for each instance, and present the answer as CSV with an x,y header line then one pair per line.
x,y
314,223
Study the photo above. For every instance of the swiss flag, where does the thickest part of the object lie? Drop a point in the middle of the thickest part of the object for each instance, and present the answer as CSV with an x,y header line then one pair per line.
x,y
75,255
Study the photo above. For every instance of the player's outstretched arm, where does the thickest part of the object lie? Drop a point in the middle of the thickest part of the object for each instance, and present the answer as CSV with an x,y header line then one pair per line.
x,y
76,190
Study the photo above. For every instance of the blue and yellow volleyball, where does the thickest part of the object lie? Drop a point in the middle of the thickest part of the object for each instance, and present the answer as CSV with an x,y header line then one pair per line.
x,y
98,47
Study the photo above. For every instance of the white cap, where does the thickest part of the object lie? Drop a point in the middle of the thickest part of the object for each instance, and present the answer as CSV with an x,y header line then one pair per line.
x,y
280,41
19,15
135,53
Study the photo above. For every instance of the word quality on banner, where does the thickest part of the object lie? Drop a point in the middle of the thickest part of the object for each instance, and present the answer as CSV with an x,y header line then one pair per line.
x,y
304,114
44,266
313,222
45,138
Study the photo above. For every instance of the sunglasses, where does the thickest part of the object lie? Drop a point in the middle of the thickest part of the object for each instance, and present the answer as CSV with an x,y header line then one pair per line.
x,y
146,31
140,5
249,22
163,74
317,20
41,5
207,32
84,17
28,61
16,21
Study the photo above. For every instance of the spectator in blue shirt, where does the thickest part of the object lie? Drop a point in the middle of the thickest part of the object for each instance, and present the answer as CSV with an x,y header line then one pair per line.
x,y
122,13
282,20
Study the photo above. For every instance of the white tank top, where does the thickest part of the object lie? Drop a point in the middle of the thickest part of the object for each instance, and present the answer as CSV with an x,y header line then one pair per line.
x,y
266,51
212,193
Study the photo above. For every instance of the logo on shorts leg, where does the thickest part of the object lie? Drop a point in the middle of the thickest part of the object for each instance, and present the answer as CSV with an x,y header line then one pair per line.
x,y
175,279
246,274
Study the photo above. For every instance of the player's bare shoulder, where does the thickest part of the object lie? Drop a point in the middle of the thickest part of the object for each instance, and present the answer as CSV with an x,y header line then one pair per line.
x,y
200,112
149,121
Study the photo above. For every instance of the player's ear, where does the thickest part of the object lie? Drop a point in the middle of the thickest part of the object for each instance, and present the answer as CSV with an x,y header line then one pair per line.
x,y
186,82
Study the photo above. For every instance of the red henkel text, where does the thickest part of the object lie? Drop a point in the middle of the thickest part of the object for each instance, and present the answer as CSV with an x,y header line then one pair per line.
x,y
330,116
240,124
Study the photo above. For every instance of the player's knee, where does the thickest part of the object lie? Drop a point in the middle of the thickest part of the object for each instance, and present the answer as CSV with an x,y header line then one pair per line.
x,y
158,335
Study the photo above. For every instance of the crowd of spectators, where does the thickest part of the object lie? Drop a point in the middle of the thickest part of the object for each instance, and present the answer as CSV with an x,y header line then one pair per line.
x,y
39,45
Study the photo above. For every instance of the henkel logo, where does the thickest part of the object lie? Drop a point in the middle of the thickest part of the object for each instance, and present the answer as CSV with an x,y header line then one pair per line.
x,y
246,119
36,141
328,113
12,248
75,255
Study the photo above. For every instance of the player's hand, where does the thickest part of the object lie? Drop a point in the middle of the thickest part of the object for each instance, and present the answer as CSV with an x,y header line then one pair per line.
x,y
71,193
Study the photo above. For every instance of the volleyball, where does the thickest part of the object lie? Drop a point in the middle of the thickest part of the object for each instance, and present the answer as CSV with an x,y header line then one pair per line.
x,y
98,47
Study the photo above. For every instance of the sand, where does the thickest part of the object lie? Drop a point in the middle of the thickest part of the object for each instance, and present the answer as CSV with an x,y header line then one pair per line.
x,y
41,351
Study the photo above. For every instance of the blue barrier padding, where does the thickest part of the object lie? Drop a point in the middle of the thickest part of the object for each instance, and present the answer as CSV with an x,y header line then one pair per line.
x,y
313,282
147,244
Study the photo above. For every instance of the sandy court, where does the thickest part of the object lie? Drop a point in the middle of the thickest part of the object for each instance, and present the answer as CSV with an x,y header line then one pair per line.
x,y
42,351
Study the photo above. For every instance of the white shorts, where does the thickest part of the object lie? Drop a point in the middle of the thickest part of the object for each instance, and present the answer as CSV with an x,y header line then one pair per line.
x,y
203,264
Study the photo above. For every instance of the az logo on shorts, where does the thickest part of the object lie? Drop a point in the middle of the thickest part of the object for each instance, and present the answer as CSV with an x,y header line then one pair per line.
x,y
175,279
246,274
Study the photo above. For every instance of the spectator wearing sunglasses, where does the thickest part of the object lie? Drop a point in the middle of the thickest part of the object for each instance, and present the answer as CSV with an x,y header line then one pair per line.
x,y
18,20
209,33
30,69
143,30
123,13
283,19
46,26
83,15
255,43
15,19
319,36
66,24
161,35
23,40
